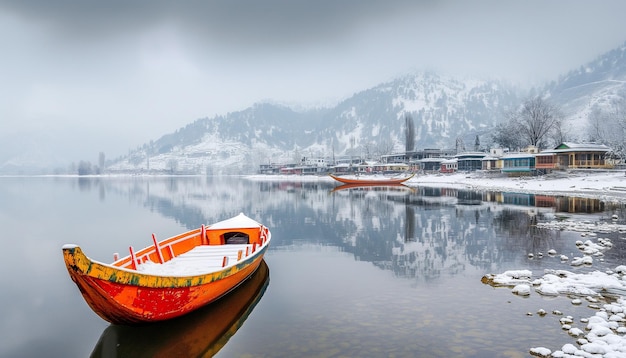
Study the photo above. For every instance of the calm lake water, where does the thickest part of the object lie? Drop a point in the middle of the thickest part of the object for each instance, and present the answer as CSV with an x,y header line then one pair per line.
x,y
361,272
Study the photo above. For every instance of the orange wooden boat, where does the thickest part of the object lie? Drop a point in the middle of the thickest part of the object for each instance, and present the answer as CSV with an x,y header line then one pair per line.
x,y
202,333
371,179
172,277
374,187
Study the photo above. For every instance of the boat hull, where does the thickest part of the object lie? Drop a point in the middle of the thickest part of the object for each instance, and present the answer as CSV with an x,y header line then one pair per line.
x,y
199,334
370,181
398,187
126,297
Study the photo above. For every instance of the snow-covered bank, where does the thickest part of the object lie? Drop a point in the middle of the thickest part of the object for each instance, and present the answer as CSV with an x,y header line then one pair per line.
x,y
603,334
600,335
603,185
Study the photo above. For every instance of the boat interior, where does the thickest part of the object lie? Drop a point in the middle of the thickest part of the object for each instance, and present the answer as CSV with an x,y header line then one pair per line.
x,y
166,250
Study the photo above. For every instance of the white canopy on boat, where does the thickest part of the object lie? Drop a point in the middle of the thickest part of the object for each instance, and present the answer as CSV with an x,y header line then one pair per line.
x,y
238,222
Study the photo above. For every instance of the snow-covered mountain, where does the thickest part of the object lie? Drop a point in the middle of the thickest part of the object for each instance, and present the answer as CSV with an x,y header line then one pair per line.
x,y
444,111
369,123
599,85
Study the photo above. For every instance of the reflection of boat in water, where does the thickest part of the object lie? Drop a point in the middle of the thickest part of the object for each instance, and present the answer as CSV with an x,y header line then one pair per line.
x,y
199,334
373,187
172,277
371,179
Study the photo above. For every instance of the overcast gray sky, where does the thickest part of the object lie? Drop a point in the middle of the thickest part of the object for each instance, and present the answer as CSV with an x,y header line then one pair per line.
x,y
110,75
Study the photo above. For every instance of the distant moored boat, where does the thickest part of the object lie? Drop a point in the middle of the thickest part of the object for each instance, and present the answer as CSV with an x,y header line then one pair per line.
x,y
371,179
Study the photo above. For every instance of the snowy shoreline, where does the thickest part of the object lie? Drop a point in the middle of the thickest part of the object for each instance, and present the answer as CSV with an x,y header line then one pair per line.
x,y
604,333
602,185
605,185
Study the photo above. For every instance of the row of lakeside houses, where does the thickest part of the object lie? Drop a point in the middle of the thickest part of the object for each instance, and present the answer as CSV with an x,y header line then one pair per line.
x,y
530,161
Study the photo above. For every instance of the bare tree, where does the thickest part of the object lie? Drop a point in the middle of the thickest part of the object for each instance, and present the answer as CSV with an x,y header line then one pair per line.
x,y
172,165
84,168
460,145
559,133
410,133
533,124
597,125
619,141
368,149
101,160
536,119
385,147
607,125
506,135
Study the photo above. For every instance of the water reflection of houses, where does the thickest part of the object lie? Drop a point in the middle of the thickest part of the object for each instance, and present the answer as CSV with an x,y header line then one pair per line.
x,y
445,240
565,204
579,205
479,229
441,239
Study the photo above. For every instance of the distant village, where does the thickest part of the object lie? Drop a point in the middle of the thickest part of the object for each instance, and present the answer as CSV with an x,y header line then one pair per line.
x,y
527,162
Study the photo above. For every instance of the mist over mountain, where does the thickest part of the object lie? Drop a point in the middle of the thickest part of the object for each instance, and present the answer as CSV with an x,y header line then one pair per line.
x,y
368,124
598,85
445,111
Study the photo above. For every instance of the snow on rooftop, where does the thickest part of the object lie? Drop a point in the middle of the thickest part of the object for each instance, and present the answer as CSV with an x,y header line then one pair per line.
x,y
430,159
518,155
574,145
569,146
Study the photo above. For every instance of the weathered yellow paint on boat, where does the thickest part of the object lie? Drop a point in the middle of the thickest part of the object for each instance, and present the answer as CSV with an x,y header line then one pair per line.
x,y
76,258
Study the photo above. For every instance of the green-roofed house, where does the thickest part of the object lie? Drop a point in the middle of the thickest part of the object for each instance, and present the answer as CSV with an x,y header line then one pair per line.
x,y
569,155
